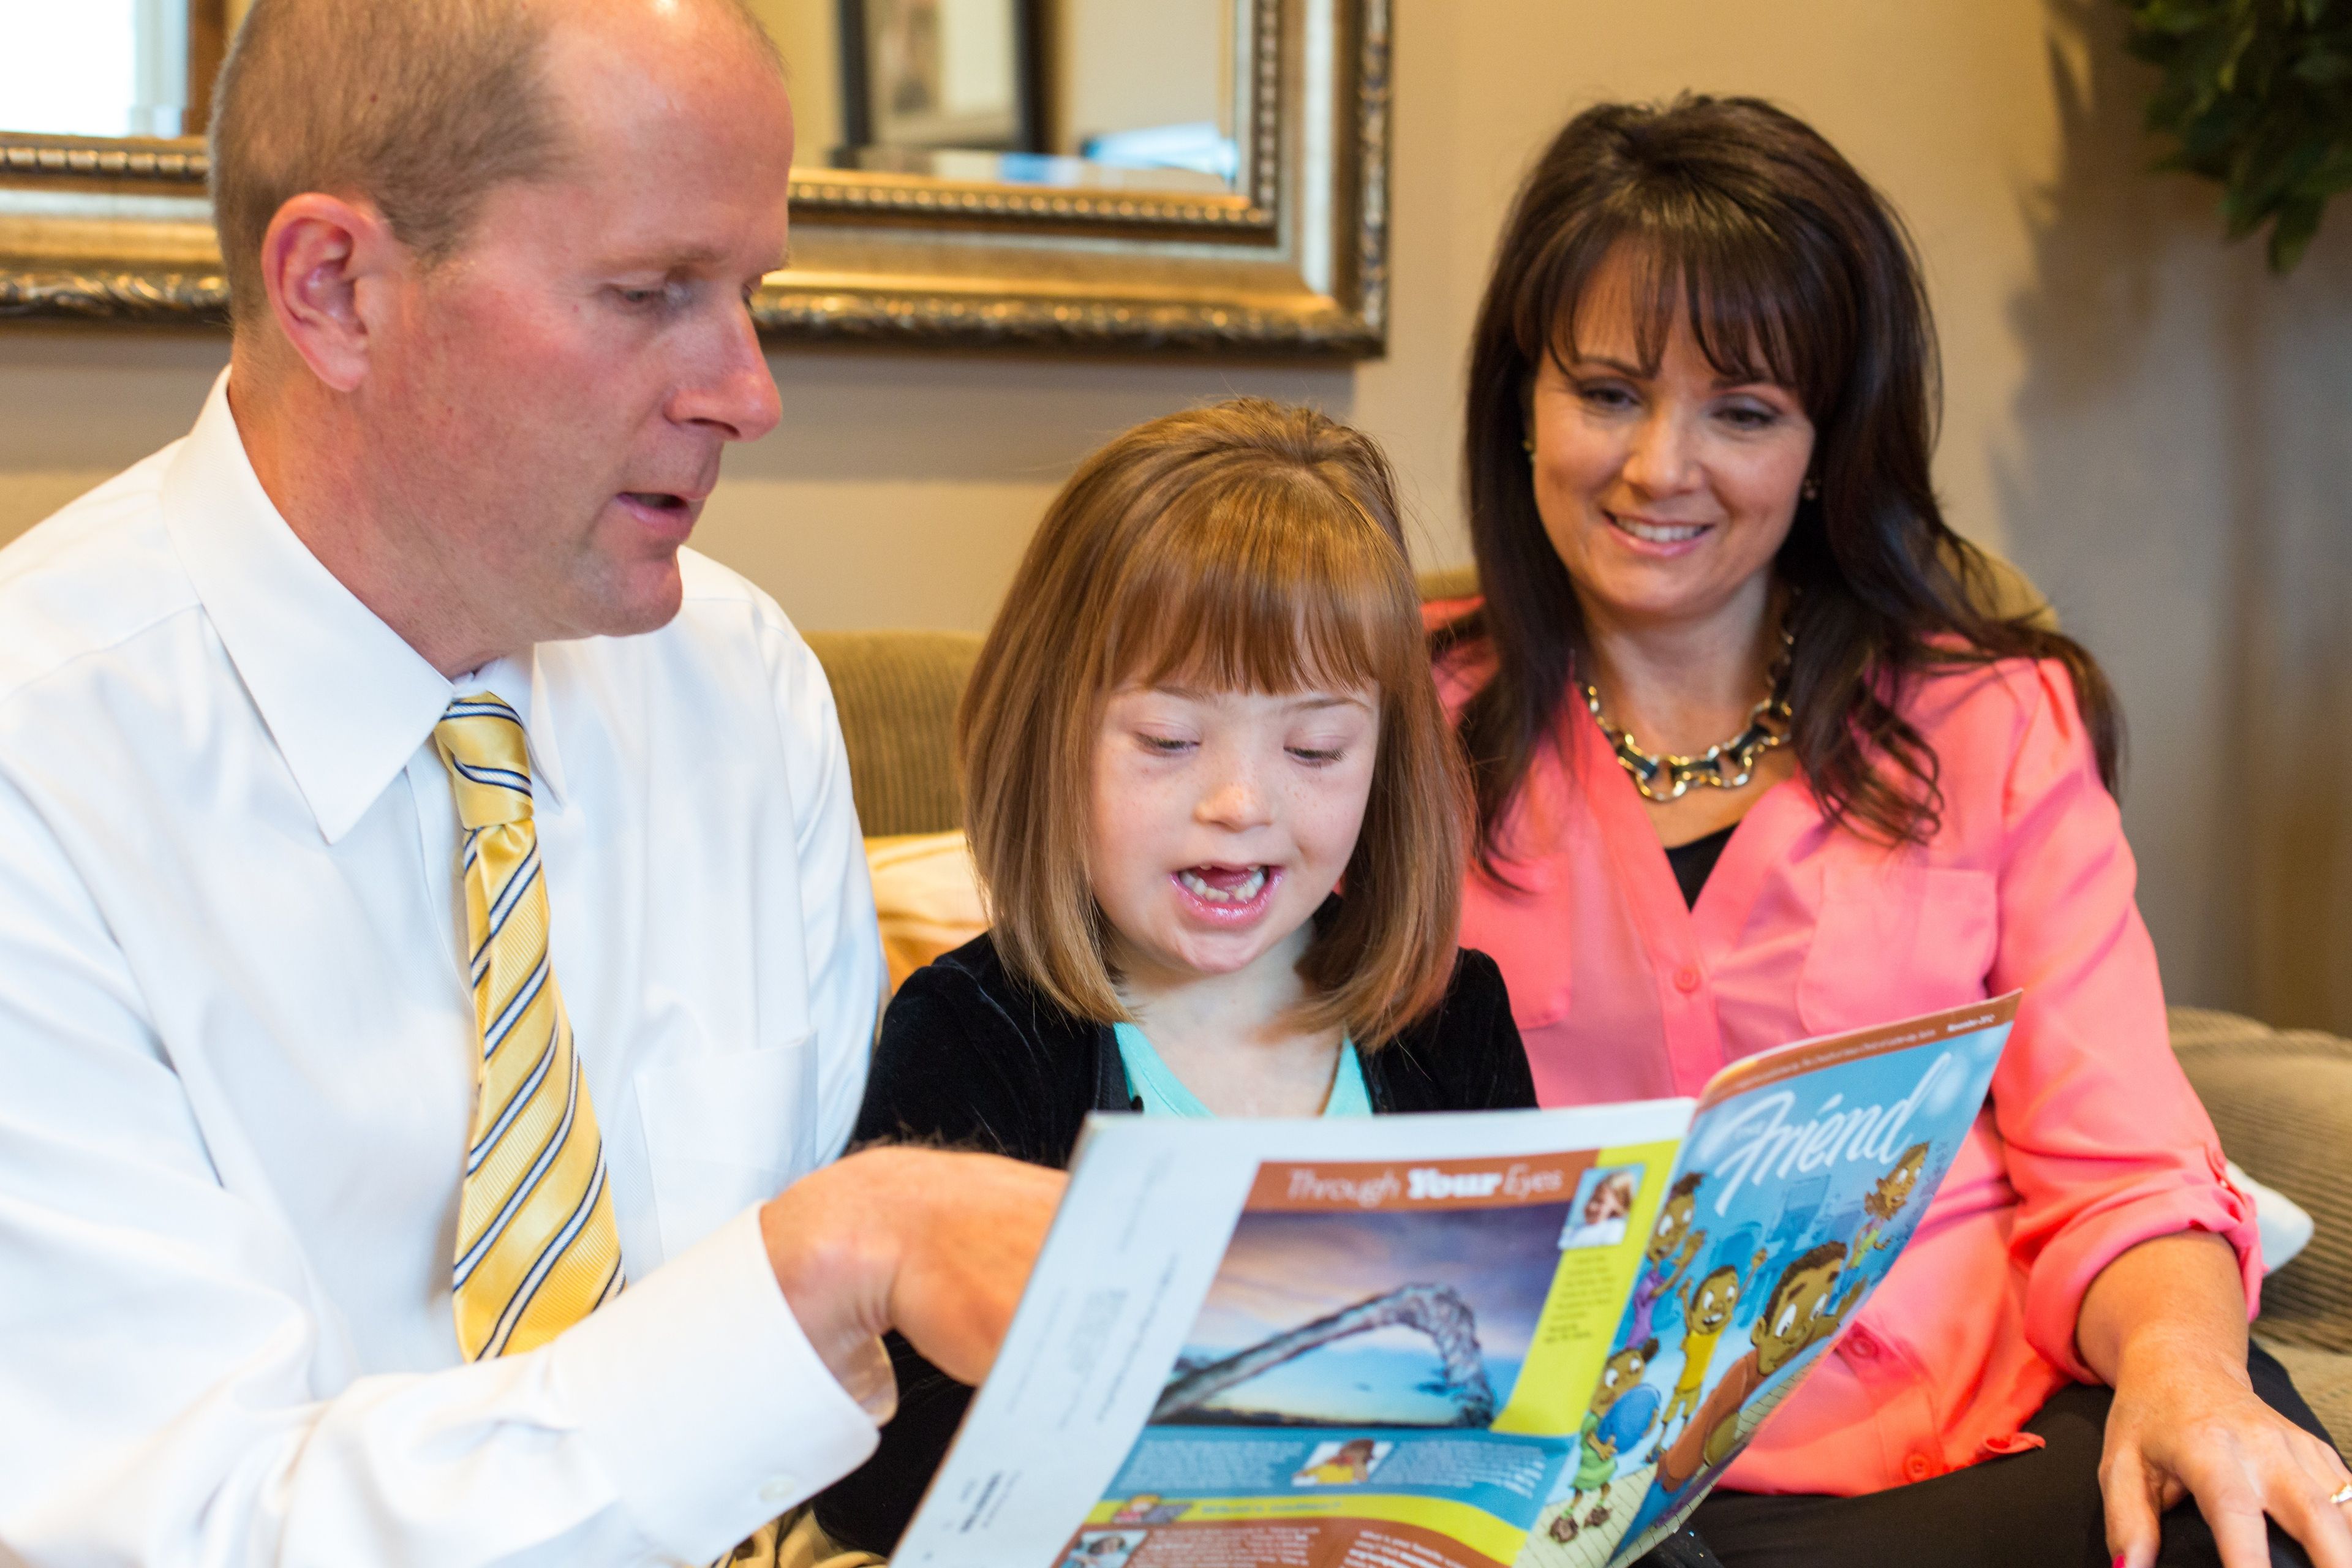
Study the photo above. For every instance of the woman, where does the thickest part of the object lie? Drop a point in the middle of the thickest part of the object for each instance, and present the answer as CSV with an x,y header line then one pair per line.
x,y
1754,761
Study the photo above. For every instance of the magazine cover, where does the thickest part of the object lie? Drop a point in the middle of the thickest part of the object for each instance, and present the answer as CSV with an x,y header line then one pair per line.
x,y
1796,1186
1444,1341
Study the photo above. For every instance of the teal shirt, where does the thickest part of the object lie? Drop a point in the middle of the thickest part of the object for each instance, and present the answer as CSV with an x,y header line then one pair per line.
x,y
1164,1094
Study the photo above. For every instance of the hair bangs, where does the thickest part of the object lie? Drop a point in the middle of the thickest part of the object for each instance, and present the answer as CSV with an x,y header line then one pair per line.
x,y
1755,305
1228,592
1738,221
1241,547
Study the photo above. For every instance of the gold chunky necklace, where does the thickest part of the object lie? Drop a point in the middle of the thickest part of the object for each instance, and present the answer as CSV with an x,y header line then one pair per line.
x,y
1726,766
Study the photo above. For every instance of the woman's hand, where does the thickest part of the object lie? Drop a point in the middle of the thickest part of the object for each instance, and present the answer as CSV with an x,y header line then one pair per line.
x,y
2166,1325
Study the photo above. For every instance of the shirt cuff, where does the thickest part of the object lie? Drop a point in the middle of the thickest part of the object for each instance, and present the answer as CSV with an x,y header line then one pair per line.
x,y
2068,1263
702,1399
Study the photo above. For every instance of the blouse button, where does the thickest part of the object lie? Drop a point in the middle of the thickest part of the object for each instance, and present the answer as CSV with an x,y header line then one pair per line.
x,y
1687,978
1918,1467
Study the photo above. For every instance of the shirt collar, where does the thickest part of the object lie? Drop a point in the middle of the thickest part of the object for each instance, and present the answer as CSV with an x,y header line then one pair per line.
x,y
346,700
522,684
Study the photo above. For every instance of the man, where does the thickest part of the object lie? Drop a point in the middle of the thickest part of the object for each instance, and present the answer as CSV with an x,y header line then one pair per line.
x,y
433,929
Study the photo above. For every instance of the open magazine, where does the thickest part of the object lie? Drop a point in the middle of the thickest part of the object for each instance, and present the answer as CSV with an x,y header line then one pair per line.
x,y
1465,1341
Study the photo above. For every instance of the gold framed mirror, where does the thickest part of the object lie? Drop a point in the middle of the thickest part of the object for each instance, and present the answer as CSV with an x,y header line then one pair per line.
x,y
1180,175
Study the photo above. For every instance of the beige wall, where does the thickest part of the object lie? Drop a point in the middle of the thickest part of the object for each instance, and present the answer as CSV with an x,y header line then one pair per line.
x,y
2155,427
809,34
1129,64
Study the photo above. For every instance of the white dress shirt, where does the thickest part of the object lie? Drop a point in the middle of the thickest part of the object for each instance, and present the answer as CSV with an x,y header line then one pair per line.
x,y
236,1058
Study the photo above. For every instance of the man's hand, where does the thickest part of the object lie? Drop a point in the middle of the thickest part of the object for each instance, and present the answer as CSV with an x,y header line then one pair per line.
x,y
936,1245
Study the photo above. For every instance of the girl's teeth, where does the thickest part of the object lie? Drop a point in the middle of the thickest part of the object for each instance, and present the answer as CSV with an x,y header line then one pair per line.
x,y
1241,892
1655,533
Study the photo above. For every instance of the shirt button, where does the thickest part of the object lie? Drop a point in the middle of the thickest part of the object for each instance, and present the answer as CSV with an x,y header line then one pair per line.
x,y
1686,979
1860,1346
1918,1467
783,1489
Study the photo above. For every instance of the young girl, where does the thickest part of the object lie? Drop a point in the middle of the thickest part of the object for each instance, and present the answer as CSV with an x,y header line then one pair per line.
x,y
1221,828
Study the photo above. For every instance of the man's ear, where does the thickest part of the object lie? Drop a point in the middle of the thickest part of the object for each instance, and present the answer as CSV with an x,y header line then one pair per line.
x,y
323,262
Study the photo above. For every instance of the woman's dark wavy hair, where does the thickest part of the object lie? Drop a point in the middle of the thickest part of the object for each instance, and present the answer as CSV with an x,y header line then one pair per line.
x,y
1789,267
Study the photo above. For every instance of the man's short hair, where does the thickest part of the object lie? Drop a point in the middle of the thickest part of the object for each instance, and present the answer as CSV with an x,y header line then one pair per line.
x,y
418,106
421,107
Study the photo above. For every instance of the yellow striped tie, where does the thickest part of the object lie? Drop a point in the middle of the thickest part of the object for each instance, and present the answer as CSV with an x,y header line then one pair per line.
x,y
537,1249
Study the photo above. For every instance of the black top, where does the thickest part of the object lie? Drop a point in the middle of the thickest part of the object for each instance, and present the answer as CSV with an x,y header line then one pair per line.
x,y
971,1058
1694,862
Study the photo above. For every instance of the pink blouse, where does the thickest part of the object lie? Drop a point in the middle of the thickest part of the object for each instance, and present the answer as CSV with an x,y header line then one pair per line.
x,y
2093,1140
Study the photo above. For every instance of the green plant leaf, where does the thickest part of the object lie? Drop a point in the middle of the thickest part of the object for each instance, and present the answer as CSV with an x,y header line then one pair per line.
x,y
2255,95
2322,67
2291,236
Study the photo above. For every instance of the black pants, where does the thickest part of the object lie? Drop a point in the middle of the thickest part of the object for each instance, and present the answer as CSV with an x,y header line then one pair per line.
x,y
2030,1508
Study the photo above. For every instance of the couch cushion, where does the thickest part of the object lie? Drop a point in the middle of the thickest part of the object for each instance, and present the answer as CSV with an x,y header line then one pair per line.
x,y
896,693
927,897
2281,1100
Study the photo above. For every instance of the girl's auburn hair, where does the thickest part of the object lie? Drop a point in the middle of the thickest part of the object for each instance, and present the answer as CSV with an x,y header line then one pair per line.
x,y
1244,546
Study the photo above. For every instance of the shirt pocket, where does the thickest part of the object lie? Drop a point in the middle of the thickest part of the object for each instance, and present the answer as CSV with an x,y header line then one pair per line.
x,y
1541,1002
723,1132
1527,932
1892,941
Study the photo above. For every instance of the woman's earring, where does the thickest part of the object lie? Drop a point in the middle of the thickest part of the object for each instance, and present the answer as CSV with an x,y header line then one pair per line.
x,y
1812,490
1528,445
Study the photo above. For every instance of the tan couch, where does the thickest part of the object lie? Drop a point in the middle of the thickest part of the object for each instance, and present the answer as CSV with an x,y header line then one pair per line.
x,y
2282,1098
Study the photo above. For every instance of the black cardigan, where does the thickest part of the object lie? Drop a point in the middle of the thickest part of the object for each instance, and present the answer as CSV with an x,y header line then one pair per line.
x,y
970,1058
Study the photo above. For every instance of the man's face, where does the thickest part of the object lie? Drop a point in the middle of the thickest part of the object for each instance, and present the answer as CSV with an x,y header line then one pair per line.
x,y
553,401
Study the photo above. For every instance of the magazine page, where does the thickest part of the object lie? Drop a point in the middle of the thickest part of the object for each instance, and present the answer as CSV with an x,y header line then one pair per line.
x,y
1365,1343
1799,1184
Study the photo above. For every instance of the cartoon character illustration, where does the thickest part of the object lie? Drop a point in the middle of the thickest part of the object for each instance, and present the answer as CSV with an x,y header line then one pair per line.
x,y
1794,1321
1886,1200
1672,1245
1707,1307
1348,1464
1623,1408
1602,1221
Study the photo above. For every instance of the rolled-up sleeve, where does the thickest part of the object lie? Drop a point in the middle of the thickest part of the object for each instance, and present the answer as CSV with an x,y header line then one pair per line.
x,y
2107,1145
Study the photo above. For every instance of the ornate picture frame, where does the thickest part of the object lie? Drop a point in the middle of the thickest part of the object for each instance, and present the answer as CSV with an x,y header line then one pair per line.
x,y
1294,260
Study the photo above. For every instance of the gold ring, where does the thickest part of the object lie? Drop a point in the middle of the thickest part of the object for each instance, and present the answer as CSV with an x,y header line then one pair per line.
x,y
2343,1494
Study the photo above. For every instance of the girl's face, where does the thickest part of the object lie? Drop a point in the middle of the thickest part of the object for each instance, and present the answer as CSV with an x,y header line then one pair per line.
x,y
1222,820
1666,495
